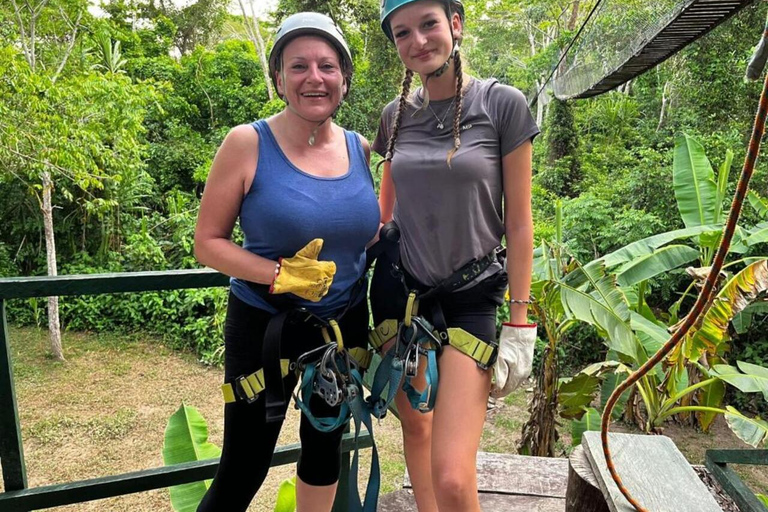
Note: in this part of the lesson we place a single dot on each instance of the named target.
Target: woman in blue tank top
(302, 191)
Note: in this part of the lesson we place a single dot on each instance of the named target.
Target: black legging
(249, 440)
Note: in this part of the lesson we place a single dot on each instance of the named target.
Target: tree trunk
(255, 34)
(664, 105)
(539, 433)
(583, 493)
(50, 251)
(574, 15)
(540, 105)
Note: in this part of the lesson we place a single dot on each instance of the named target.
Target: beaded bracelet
(518, 301)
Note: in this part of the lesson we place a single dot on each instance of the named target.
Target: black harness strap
(275, 394)
(273, 381)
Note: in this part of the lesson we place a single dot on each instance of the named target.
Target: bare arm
(387, 193)
(367, 150)
(518, 223)
(230, 178)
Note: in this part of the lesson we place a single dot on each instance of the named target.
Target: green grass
(59, 428)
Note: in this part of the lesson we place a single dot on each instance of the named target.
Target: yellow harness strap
(382, 333)
(362, 356)
(469, 345)
(252, 384)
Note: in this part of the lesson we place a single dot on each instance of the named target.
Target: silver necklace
(440, 124)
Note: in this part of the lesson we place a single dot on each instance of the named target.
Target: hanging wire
(562, 57)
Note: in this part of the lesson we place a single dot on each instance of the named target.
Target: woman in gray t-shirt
(456, 179)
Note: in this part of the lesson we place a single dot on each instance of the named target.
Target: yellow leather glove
(303, 275)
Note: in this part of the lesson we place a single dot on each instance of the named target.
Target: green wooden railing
(717, 462)
(18, 496)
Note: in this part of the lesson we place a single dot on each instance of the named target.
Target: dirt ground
(104, 411)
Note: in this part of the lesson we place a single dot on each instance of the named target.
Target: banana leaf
(734, 297)
(286, 496)
(743, 320)
(711, 396)
(186, 440)
(660, 261)
(605, 308)
(577, 393)
(694, 184)
(589, 421)
(751, 378)
(760, 204)
(646, 246)
(753, 431)
(722, 184)
(758, 234)
(610, 383)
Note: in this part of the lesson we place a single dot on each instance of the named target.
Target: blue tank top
(286, 208)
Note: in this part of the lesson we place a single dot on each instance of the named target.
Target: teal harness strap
(362, 415)
(322, 424)
(351, 405)
(388, 374)
(424, 401)
(420, 338)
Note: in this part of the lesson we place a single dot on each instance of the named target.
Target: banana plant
(669, 391)
(539, 433)
(186, 440)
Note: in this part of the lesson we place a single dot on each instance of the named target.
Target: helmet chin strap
(436, 73)
(311, 140)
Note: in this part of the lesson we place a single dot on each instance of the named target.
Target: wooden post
(583, 493)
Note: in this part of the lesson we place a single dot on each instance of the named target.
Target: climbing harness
(707, 289)
(331, 371)
(417, 338)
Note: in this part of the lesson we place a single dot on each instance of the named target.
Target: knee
(452, 485)
(417, 427)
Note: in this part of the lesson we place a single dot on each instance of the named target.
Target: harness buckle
(326, 382)
(412, 362)
(240, 385)
(491, 360)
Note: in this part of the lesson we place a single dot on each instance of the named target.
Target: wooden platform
(506, 483)
(513, 483)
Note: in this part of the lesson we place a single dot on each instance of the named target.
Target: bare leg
(457, 425)
(314, 498)
(417, 444)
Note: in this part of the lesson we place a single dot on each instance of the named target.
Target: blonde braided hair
(457, 111)
(401, 106)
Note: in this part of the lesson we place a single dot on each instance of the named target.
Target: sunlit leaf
(753, 431)
(589, 421)
(186, 440)
(694, 183)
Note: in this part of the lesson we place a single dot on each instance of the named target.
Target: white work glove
(515, 359)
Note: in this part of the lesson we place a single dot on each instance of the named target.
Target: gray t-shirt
(449, 216)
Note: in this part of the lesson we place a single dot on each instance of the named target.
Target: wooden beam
(90, 284)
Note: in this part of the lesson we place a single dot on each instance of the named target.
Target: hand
(515, 358)
(303, 275)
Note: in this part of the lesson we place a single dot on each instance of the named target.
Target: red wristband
(278, 266)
